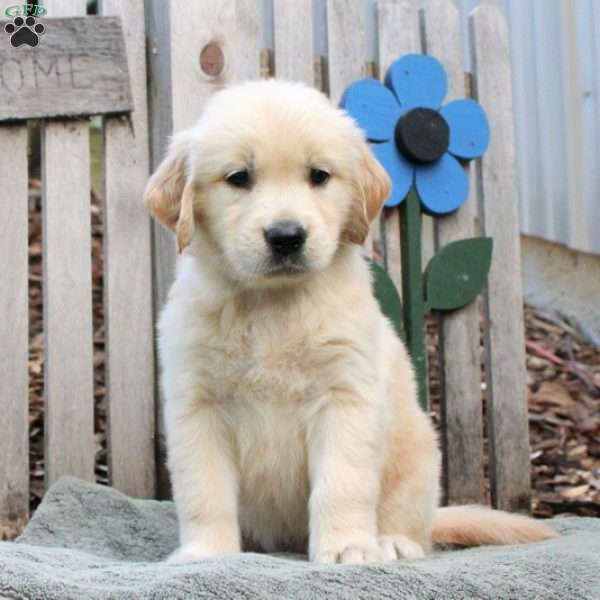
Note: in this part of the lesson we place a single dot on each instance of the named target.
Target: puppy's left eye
(318, 176)
(239, 179)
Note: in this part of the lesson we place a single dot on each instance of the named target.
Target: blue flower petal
(442, 186)
(469, 128)
(374, 108)
(398, 168)
(417, 80)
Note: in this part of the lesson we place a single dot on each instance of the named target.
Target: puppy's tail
(481, 526)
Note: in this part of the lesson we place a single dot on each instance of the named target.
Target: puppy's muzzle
(285, 239)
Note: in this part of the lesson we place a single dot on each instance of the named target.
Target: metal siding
(549, 207)
(589, 53)
(525, 101)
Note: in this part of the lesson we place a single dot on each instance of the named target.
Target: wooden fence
(169, 89)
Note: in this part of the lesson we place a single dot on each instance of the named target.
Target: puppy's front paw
(347, 550)
(398, 546)
(196, 551)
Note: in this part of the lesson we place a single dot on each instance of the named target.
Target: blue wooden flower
(415, 138)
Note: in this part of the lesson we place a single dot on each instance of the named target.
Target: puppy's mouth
(285, 266)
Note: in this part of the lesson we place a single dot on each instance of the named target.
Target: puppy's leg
(344, 465)
(409, 492)
(205, 483)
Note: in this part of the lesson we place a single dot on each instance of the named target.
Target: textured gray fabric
(88, 541)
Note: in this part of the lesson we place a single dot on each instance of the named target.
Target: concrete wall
(557, 278)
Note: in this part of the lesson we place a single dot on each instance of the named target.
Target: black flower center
(422, 135)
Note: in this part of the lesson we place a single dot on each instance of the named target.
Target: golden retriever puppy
(291, 413)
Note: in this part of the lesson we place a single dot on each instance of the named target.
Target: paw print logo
(24, 31)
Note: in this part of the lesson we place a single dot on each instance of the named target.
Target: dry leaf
(573, 492)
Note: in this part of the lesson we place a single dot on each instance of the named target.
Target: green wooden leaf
(457, 273)
(387, 295)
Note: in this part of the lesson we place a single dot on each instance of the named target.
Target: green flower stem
(412, 289)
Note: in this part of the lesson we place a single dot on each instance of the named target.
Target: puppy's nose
(285, 238)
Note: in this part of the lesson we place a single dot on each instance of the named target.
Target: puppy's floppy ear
(169, 196)
(374, 188)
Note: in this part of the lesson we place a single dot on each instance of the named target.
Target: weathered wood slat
(346, 39)
(14, 398)
(398, 27)
(68, 374)
(233, 26)
(293, 40)
(128, 277)
(78, 68)
(462, 427)
(505, 344)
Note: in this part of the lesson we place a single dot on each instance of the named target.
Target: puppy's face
(273, 178)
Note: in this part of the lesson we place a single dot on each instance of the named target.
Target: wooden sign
(77, 67)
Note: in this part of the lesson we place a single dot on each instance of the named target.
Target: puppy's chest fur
(260, 355)
(265, 373)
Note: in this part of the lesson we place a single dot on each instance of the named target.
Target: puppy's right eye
(239, 179)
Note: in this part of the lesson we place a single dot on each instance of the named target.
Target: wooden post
(398, 28)
(14, 397)
(461, 406)
(293, 37)
(128, 277)
(346, 37)
(69, 372)
(505, 344)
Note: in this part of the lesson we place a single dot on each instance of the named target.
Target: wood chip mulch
(563, 378)
(564, 416)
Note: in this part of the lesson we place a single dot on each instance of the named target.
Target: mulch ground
(563, 378)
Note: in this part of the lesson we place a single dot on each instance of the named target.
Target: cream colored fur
(291, 413)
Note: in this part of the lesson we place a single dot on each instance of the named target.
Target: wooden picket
(392, 18)
(505, 342)
(69, 372)
(14, 397)
(129, 354)
(293, 40)
(180, 80)
(462, 427)
(346, 39)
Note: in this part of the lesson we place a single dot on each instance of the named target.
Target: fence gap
(160, 127)
(36, 324)
(98, 314)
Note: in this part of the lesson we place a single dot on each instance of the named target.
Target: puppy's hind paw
(397, 547)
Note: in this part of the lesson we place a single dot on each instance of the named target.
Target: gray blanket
(88, 541)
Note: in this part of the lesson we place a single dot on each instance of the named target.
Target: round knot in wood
(212, 59)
